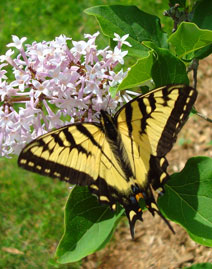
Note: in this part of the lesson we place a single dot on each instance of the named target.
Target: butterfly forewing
(153, 120)
(71, 153)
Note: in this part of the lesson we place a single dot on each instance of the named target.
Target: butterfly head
(106, 120)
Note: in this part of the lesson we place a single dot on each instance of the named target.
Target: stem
(195, 69)
(18, 99)
(203, 116)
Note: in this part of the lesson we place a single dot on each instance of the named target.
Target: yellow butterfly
(121, 158)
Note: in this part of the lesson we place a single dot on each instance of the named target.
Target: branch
(203, 116)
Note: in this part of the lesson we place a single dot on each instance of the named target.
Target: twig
(203, 116)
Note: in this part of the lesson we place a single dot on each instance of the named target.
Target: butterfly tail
(166, 221)
(133, 213)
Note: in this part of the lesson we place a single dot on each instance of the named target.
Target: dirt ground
(155, 246)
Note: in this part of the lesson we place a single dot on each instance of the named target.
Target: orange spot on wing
(139, 196)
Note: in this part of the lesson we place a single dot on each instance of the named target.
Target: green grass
(31, 206)
(44, 19)
(31, 216)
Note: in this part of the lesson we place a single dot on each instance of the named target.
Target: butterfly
(123, 157)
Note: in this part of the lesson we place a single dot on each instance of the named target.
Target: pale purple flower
(53, 81)
(91, 86)
(3, 72)
(117, 55)
(17, 43)
(94, 36)
(95, 72)
(7, 57)
(21, 80)
(79, 47)
(121, 40)
(41, 88)
(117, 77)
(61, 41)
(7, 90)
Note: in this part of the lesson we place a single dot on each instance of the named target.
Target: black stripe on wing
(69, 137)
(158, 175)
(147, 103)
(143, 109)
(180, 112)
(53, 169)
(42, 154)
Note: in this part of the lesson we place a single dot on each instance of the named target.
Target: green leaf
(88, 226)
(202, 53)
(189, 38)
(202, 16)
(53, 263)
(130, 20)
(139, 72)
(204, 265)
(193, 111)
(167, 69)
(113, 91)
(188, 199)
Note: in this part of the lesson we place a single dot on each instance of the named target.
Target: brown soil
(155, 246)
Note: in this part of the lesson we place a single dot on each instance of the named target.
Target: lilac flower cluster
(55, 85)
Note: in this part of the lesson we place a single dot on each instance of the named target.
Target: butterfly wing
(71, 153)
(78, 154)
(111, 185)
(152, 122)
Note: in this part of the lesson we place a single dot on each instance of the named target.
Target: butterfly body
(113, 137)
(121, 158)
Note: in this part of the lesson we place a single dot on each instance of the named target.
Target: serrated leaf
(188, 199)
(139, 72)
(189, 38)
(167, 69)
(130, 20)
(88, 226)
